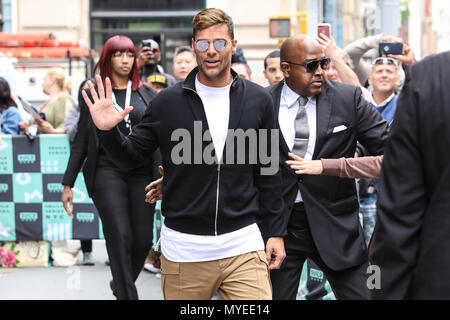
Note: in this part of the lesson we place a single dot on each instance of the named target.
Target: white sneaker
(151, 268)
(88, 259)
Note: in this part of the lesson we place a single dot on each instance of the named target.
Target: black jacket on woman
(85, 148)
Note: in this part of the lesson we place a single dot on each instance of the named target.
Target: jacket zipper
(218, 180)
(217, 198)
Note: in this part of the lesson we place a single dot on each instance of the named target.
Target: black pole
(69, 56)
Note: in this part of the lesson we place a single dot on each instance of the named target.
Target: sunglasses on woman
(312, 66)
(203, 45)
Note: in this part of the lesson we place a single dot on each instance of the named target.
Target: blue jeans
(368, 210)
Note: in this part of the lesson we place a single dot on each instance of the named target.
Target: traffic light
(280, 27)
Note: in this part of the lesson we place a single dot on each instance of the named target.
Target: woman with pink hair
(118, 193)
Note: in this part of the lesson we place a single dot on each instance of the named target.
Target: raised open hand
(103, 112)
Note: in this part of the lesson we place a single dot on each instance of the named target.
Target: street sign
(280, 27)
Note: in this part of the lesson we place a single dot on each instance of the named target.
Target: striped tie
(301, 129)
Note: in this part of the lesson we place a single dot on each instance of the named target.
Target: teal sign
(30, 192)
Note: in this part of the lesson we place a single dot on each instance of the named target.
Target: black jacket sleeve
(79, 147)
(267, 177)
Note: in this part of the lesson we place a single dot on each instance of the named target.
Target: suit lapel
(275, 91)
(323, 107)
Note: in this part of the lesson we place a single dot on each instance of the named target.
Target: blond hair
(210, 17)
(62, 80)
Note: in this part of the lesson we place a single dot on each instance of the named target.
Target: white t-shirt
(182, 247)
(216, 103)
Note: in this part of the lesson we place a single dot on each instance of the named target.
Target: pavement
(77, 282)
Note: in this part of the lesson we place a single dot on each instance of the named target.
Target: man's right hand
(154, 189)
(67, 196)
(103, 112)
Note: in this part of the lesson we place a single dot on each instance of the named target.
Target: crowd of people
(228, 228)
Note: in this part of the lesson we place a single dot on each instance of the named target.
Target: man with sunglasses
(321, 119)
(210, 241)
(148, 62)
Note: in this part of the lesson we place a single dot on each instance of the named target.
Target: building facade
(425, 24)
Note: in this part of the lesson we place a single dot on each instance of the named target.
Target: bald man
(321, 119)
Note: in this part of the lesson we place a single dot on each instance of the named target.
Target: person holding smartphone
(57, 85)
(148, 62)
(357, 49)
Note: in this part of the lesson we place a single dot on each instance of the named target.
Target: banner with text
(30, 192)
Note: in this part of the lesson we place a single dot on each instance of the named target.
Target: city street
(71, 283)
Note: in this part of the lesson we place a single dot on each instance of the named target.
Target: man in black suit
(411, 240)
(321, 119)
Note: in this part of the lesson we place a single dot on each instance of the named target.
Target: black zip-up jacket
(202, 198)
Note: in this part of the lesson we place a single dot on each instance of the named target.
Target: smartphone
(386, 48)
(324, 28)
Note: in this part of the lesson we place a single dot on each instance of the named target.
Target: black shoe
(112, 285)
(107, 263)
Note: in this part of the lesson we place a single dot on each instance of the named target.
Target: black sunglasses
(314, 64)
(203, 45)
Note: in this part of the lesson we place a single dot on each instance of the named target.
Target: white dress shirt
(286, 117)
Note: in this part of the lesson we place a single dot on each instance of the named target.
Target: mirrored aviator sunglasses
(203, 45)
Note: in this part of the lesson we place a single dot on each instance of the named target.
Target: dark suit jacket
(412, 239)
(85, 147)
(331, 203)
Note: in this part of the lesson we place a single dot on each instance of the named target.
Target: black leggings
(86, 246)
(127, 225)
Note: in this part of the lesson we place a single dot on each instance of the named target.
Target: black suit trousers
(348, 284)
(127, 225)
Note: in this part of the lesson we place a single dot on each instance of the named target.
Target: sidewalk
(72, 283)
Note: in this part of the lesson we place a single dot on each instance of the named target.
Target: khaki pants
(243, 277)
